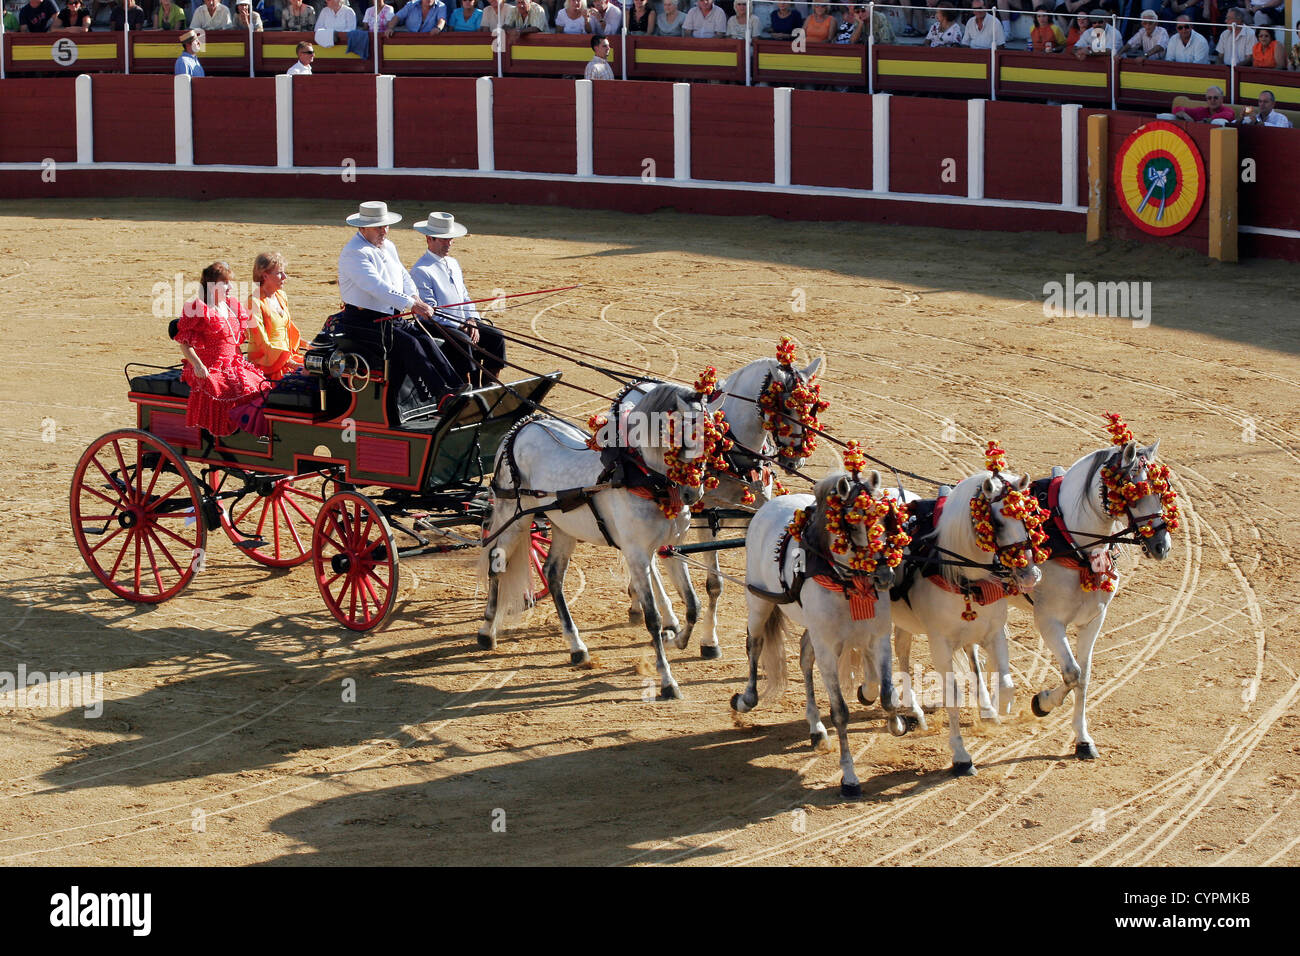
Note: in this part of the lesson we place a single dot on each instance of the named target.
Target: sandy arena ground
(225, 739)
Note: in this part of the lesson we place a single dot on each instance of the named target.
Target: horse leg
(557, 564)
(942, 652)
(709, 648)
(760, 614)
(850, 788)
(987, 710)
(1084, 748)
(1053, 632)
(881, 666)
(680, 575)
(903, 645)
(650, 591)
(1005, 689)
(634, 612)
(507, 569)
(807, 658)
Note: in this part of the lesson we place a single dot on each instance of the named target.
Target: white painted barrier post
(183, 119)
(681, 131)
(880, 142)
(384, 119)
(584, 104)
(486, 152)
(782, 98)
(1070, 154)
(975, 149)
(85, 120)
(284, 121)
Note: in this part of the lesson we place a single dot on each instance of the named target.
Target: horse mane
(814, 534)
(663, 398)
(956, 531)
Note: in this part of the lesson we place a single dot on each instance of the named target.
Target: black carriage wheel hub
(128, 519)
(340, 563)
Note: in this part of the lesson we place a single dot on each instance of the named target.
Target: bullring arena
(225, 704)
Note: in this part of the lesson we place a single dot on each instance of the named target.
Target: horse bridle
(1130, 534)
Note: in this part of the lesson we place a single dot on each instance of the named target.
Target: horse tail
(504, 558)
(769, 649)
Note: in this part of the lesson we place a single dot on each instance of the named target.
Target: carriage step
(251, 544)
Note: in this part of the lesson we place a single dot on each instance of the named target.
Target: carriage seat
(161, 383)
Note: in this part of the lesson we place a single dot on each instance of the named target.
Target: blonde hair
(266, 262)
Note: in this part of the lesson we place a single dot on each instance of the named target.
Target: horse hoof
(578, 658)
(635, 614)
(487, 642)
(736, 700)
(914, 723)
(898, 725)
(1085, 751)
(851, 791)
(963, 769)
(671, 692)
(863, 699)
(1036, 707)
(819, 741)
(710, 652)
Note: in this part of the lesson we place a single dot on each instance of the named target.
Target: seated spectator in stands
(1214, 110)
(37, 16)
(74, 18)
(1101, 39)
(419, 16)
(820, 26)
(274, 343)
(641, 18)
(1150, 41)
(1173, 9)
(670, 22)
(1236, 42)
(305, 53)
(123, 12)
(9, 20)
(212, 16)
(299, 16)
(493, 13)
(386, 17)
(573, 18)
(1076, 8)
(266, 9)
(1266, 115)
(1268, 13)
(526, 16)
(169, 16)
(243, 13)
(334, 22)
(785, 21)
(1267, 53)
(1081, 25)
(1293, 58)
(599, 68)
(187, 64)
(982, 31)
(741, 22)
(705, 21)
(882, 31)
(1187, 46)
(1046, 36)
(606, 18)
(466, 18)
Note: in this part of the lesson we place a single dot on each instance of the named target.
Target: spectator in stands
(820, 26)
(334, 22)
(493, 15)
(606, 18)
(1268, 13)
(1187, 46)
(1150, 41)
(306, 53)
(1236, 42)
(212, 16)
(37, 16)
(785, 21)
(1293, 58)
(425, 16)
(386, 18)
(670, 22)
(169, 16)
(127, 9)
(1173, 9)
(187, 64)
(1267, 53)
(244, 13)
(9, 20)
(705, 21)
(882, 31)
(72, 18)
(299, 16)
(274, 343)
(527, 17)
(466, 18)
(982, 31)
(266, 9)
(1214, 110)
(1081, 25)
(1100, 39)
(599, 68)
(573, 18)
(1267, 115)
(641, 18)
(740, 23)
(1046, 37)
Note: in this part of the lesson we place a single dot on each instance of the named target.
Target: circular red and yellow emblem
(1160, 178)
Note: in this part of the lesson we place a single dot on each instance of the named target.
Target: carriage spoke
(153, 564)
(292, 530)
(235, 520)
(158, 470)
(116, 503)
(296, 507)
(126, 546)
(157, 501)
(166, 551)
(116, 531)
(172, 534)
(126, 482)
(138, 535)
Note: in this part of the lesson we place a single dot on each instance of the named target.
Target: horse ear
(989, 488)
(842, 487)
(1149, 453)
(1021, 483)
(683, 406)
(1130, 454)
(811, 370)
(716, 404)
(873, 483)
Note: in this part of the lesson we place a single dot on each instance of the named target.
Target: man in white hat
(474, 347)
(374, 286)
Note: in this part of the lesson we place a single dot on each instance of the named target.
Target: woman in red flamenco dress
(209, 334)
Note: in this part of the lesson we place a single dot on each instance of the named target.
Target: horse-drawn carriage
(144, 499)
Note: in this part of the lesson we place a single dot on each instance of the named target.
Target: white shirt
(613, 20)
(598, 69)
(1109, 39)
(219, 19)
(299, 69)
(373, 277)
(1158, 37)
(983, 38)
(438, 280)
(704, 27)
(1274, 118)
(329, 23)
(1195, 50)
(1245, 45)
(566, 24)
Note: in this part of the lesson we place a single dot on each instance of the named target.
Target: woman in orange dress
(209, 333)
(274, 343)
(820, 25)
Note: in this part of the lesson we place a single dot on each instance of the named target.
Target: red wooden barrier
(917, 69)
(435, 122)
(38, 120)
(1270, 198)
(334, 121)
(551, 54)
(457, 53)
(924, 135)
(1153, 86)
(1022, 152)
(731, 134)
(1195, 236)
(275, 52)
(830, 140)
(676, 58)
(224, 52)
(535, 123)
(1251, 82)
(234, 120)
(62, 54)
(832, 64)
(1034, 75)
(134, 119)
(632, 122)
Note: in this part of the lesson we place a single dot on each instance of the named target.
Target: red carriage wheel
(280, 514)
(540, 547)
(137, 516)
(355, 561)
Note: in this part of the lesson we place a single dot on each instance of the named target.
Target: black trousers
(412, 355)
(482, 362)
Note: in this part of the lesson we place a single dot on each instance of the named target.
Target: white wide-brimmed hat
(441, 225)
(370, 214)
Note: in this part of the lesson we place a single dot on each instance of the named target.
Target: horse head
(859, 525)
(1006, 519)
(1136, 487)
(789, 401)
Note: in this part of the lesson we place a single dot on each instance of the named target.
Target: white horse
(811, 584)
(949, 575)
(545, 465)
(759, 435)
